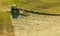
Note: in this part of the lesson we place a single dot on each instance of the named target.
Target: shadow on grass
(39, 13)
(16, 15)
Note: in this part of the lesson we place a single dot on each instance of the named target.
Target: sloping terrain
(6, 28)
(49, 6)
(33, 24)
(36, 25)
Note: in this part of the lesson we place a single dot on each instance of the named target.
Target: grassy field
(49, 6)
(6, 27)
(38, 21)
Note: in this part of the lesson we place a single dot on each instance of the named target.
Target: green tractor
(14, 11)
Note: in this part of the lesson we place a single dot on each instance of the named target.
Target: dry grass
(33, 25)
(37, 25)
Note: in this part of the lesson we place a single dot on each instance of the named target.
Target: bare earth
(36, 25)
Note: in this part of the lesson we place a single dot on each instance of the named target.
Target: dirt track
(37, 25)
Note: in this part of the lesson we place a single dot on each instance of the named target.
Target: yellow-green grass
(5, 24)
(49, 6)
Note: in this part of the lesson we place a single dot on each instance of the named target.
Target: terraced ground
(33, 24)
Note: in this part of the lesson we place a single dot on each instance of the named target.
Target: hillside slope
(49, 6)
(34, 24)
(6, 28)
